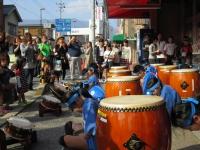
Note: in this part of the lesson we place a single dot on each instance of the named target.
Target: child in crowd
(22, 85)
(186, 52)
(169, 50)
(7, 93)
(108, 56)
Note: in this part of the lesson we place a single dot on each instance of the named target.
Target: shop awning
(131, 8)
(117, 12)
(119, 38)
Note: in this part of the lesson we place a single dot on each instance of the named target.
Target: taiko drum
(117, 73)
(119, 68)
(157, 65)
(127, 122)
(164, 73)
(167, 67)
(124, 85)
(186, 82)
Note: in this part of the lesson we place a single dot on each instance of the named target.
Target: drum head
(168, 67)
(60, 86)
(131, 102)
(51, 99)
(119, 71)
(164, 70)
(123, 78)
(118, 67)
(184, 70)
(20, 122)
(157, 64)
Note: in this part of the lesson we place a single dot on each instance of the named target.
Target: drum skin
(167, 67)
(114, 128)
(118, 68)
(117, 73)
(157, 65)
(120, 87)
(186, 82)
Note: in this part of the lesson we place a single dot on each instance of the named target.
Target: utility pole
(61, 7)
(1, 16)
(41, 23)
(93, 29)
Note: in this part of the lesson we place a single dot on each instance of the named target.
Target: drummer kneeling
(153, 86)
(187, 114)
(87, 140)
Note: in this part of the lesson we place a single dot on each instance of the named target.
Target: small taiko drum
(133, 122)
(186, 82)
(164, 73)
(119, 68)
(157, 65)
(49, 104)
(116, 73)
(123, 85)
(18, 128)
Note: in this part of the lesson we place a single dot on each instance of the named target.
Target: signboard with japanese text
(63, 25)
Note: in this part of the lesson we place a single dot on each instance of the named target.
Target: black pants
(169, 60)
(29, 76)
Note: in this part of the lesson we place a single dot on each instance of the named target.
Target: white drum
(20, 122)
(51, 99)
(18, 128)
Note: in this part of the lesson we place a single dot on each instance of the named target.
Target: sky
(30, 9)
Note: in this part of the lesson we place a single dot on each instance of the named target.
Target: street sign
(63, 25)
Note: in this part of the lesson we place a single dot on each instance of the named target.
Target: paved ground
(49, 128)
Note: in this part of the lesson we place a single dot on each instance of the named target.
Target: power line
(24, 8)
(61, 7)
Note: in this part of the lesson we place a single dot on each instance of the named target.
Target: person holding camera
(74, 51)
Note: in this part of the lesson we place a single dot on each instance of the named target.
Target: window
(12, 29)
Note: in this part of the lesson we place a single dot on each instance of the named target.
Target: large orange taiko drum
(164, 73)
(116, 73)
(157, 65)
(123, 85)
(186, 82)
(127, 122)
(167, 67)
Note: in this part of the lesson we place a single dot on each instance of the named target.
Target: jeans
(75, 61)
(29, 76)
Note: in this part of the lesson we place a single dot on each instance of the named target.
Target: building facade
(11, 20)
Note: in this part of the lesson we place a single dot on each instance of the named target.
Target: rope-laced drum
(18, 128)
(186, 82)
(49, 104)
(133, 122)
(123, 85)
